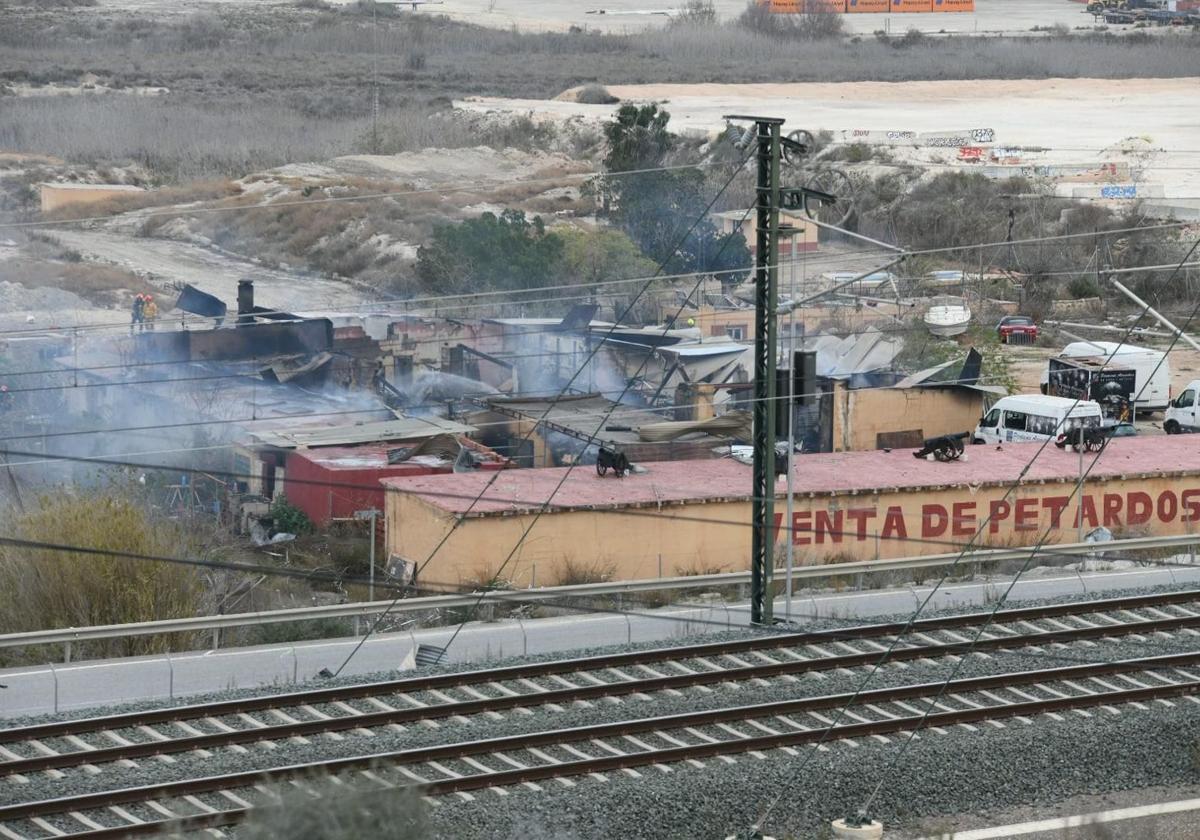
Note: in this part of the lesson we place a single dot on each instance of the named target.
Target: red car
(1017, 329)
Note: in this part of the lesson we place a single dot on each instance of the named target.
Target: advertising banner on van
(1112, 387)
(798, 7)
(867, 6)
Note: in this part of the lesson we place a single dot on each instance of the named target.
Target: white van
(1153, 387)
(1181, 415)
(1034, 417)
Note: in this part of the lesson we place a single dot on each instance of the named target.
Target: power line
(1004, 596)
(885, 655)
(567, 601)
(530, 505)
(468, 186)
(543, 330)
(565, 388)
(924, 252)
(185, 319)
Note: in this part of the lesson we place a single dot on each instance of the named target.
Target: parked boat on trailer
(948, 316)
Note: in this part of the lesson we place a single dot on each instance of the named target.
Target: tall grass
(178, 141)
(181, 140)
(48, 588)
(252, 89)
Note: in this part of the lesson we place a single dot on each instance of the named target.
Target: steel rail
(356, 691)
(367, 720)
(189, 787)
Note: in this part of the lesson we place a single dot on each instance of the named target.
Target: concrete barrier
(1127, 192)
(943, 139)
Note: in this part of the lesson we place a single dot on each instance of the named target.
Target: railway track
(633, 747)
(90, 743)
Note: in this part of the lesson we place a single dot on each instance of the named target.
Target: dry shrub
(812, 26)
(104, 285)
(596, 95)
(573, 572)
(696, 568)
(50, 588)
(696, 13)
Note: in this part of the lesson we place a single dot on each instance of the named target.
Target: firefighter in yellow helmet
(149, 312)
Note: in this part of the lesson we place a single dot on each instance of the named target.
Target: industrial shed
(333, 482)
(690, 516)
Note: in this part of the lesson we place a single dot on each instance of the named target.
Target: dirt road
(170, 264)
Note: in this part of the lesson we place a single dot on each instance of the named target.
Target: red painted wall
(325, 494)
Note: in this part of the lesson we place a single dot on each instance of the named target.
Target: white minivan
(1035, 417)
(1153, 386)
(1181, 415)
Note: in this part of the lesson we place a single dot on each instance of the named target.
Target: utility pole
(766, 294)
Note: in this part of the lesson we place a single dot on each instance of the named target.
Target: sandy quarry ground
(1078, 120)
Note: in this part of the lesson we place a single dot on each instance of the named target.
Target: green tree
(598, 256)
(492, 252)
(657, 208)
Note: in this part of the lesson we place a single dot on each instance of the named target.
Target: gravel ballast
(963, 770)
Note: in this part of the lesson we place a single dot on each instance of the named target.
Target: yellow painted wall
(638, 543)
(715, 322)
(860, 415)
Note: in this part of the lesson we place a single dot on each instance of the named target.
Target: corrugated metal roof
(680, 482)
(403, 428)
(588, 415)
(370, 456)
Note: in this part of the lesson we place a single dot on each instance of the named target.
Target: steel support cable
(199, 320)
(479, 397)
(947, 249)
(532, 504)
(435, 340)
(568, 601)
(71, 370)
(886, 654)
(1077, 491)
(190, 319)
(461, 518)
(463, 186)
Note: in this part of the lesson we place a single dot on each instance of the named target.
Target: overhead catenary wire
(481, 398)
(547, 329)
(662, 265)
(468, 186)
(571, 602)
(520, 505)
(185, 319)
(885, 655)
(905, 744)
(403, 301)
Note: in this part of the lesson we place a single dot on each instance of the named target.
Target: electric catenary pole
(770, 198)
(766, 291)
